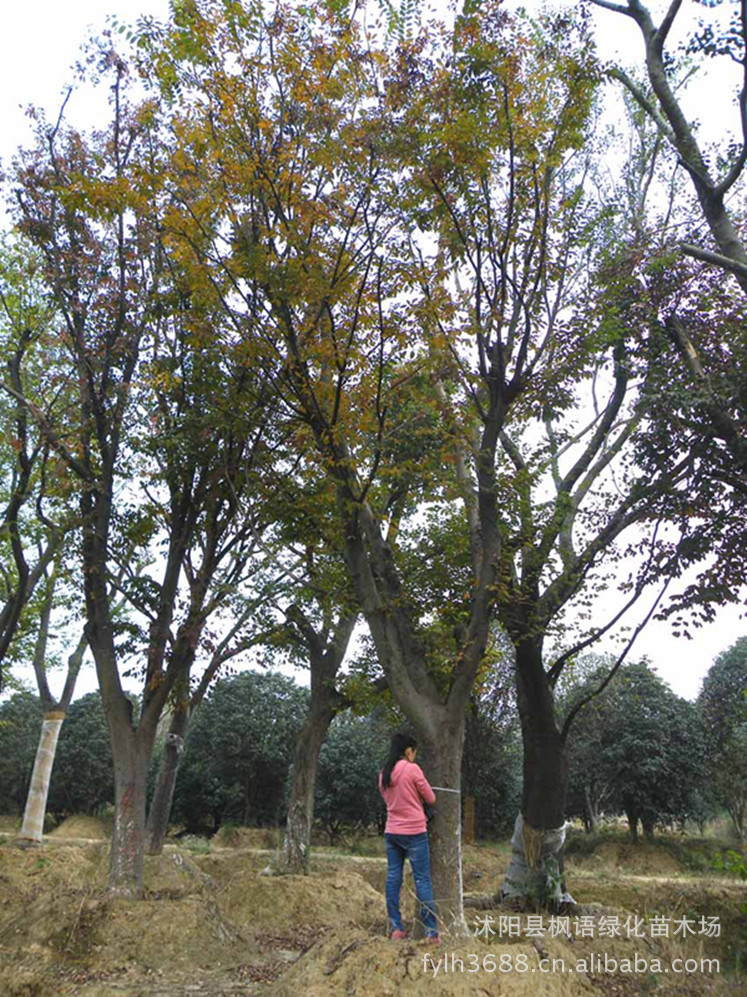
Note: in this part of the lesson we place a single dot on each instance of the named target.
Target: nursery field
(211, 924)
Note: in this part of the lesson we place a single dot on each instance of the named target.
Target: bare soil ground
(211, 925)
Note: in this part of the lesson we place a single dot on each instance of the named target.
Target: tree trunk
(247, 800)
(293, 857)
(32, 830)
(131, 759)
(160, 806)
(326, 652)
(441, 761)
(534, 874)
(632, 825)
(739, 827)
(592, 814)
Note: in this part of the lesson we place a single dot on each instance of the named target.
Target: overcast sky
(38, 45)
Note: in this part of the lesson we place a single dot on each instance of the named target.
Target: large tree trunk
(534, 875)
(131, 757)
(293, 856)
(32, 830)
(441, 760)
(160, 806)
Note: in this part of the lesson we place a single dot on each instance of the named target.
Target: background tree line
(645, 754)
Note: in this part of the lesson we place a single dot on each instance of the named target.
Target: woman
(405, 789)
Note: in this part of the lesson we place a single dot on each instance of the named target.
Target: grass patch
(196, 845)
(366, 845)
(583, 844)
(697, 854)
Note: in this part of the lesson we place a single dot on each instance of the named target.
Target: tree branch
(717, 259)
(666, 25)
(54, 441)
(616, 7)
(640, 98)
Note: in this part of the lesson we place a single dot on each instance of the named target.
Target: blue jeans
(415, 848)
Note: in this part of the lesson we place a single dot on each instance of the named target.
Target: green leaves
(239, 750)
(638, 747)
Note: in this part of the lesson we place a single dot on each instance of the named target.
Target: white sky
(40, 42)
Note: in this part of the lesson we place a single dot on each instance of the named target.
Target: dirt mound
(641, 859)
(251, 900)
(108, 937)
(247, 837)
(287, 902)
(31, 872)
(212, 925)
(90, 828)
(356, 963)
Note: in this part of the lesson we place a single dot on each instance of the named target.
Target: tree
(20, 717)
(319, 619)
(555, 372)
(347, 789)
(147, 361)
(590, 791)
(239, 750)
(326, 647)
(722, 703)
(723, 697)
(97, 238)
(648, 747)
(248, 629)
(730, 778)
(310, 260)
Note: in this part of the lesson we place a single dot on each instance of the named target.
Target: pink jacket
(408, 789)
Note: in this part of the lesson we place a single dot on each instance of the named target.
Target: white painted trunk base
(535, 877)
(36, 801)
